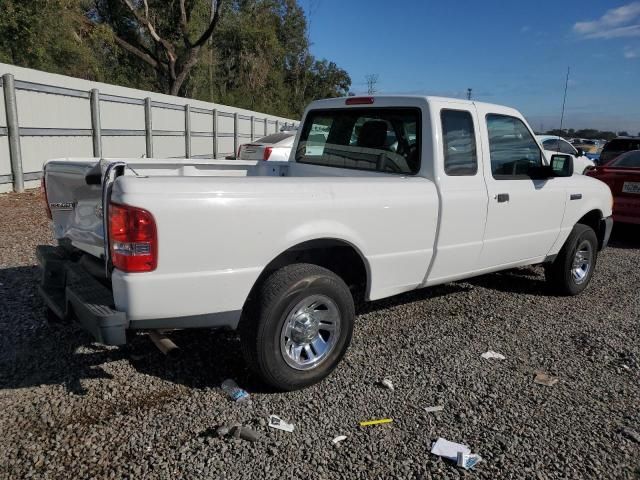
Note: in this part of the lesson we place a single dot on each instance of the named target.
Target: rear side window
(459, 142)
(622, 145)
(512, 148)
(627, 160)
(378, 139)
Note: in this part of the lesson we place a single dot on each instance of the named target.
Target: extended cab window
(459, 142)
(379, 139)
(512, 148)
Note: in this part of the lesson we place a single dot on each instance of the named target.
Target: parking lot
(73, 409)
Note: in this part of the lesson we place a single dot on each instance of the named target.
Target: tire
(290, 309)
(567, 278)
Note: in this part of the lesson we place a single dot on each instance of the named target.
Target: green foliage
(257, 58)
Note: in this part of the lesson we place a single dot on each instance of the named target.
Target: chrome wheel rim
(581, 264)
(310, 332)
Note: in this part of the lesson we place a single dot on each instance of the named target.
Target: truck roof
(387, 100)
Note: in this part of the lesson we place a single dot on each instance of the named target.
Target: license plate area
(631, 187)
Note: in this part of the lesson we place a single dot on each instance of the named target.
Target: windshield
(627, 160)
(379, 139)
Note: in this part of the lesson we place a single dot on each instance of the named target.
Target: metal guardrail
(13, 130)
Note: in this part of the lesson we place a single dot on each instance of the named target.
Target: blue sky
(514, 53)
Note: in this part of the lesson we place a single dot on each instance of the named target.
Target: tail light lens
(133, 239)
(43, 193)
(267, 153)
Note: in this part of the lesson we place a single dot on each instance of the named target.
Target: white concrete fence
(43, 116)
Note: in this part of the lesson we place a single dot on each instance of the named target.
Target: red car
(622, 174)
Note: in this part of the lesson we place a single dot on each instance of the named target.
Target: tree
(49, 35)
(623, 133)
(256, 55)
(159, 34)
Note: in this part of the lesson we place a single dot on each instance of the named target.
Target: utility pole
(372, 80)
(213, 9)
(469, 93)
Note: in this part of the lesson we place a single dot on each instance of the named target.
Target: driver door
(523, 215)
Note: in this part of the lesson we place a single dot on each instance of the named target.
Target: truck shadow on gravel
(35, 351)
(525, 280)
(625, 236)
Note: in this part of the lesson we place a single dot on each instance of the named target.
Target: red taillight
(43, 192)
(133, 239)
(267, 153)
(359, 101)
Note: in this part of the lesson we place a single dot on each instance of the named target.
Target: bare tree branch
(214, 22)
(146, 22)
(140, 54)
(183, 24)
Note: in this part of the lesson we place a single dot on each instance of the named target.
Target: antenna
(469, 90)
(564, 100)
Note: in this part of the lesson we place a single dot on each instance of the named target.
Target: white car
(274, 147)
(382, 195)
(553, 144)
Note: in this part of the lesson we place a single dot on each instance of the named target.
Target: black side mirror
(562, 165)
(580, 152)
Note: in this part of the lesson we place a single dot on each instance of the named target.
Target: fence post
(13, 127)
(187, 131)
(215, 133)
(96, 130)
(265, 126)
(235, 134)
(253, 127)
(148, 127)
(277, 126)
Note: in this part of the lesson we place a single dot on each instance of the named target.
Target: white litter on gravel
(491, 354)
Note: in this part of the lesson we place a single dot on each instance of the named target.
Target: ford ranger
(382, 195)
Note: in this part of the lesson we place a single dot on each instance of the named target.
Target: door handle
(502, 197)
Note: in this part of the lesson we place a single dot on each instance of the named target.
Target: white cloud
(525, 29)
(618, 22)
(630, 52)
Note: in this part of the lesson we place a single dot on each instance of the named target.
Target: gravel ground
(73, 409)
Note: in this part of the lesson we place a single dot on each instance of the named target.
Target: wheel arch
(335, 254)
(593, 219)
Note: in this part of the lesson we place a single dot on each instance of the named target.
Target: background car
(622, 174)
(276, 146)
(618, 145)
(553, 144)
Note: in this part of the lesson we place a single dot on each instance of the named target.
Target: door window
(459, 143)
(512, 148)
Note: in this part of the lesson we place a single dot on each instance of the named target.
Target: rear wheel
(571, 271)
(298, 326)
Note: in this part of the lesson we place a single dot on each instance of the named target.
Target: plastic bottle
(234, 392)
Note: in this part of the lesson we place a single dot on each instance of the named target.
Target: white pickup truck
(381, 195)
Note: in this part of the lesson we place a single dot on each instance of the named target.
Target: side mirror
(580, 152)
(562, 165)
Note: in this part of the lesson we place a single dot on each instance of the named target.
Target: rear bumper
(68, 288)
(606, 225)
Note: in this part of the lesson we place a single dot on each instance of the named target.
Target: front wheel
(297, 326)
(571, 271)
